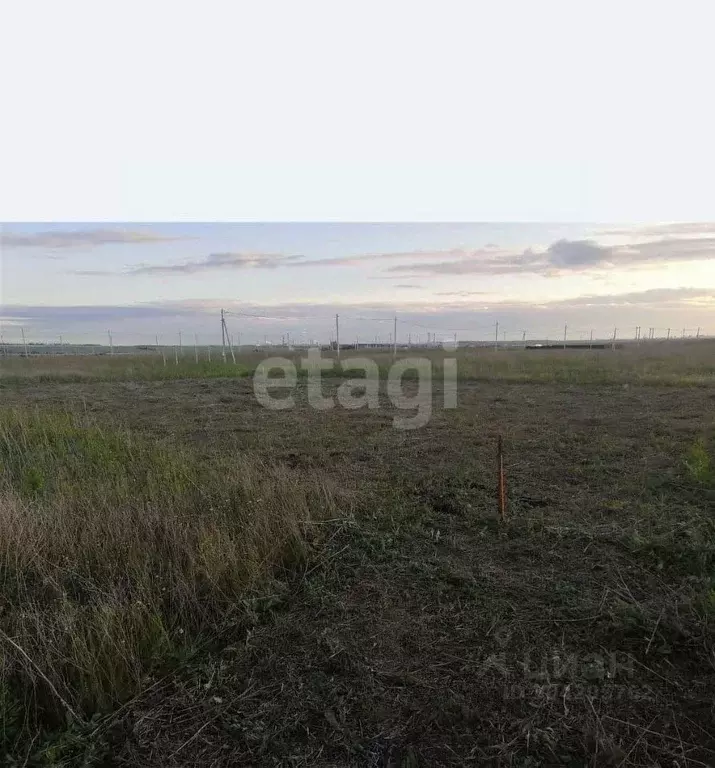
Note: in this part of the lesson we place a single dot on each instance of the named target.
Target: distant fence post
(158, 349)
(337, 335)
(223, 336)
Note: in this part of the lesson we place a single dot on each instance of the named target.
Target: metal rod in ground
(501, 486)
(394, 340)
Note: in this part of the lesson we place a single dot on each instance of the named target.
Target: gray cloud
(248, 260)
(561, 257)
(80, 238)
(673, 229)
(569, 256)
(654, 297)
(216, 261)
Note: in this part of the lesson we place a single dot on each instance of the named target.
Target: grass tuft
(119, 554)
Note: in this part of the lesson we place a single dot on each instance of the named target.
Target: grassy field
(192, 579)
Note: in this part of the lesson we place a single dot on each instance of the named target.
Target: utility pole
(4, 348)
(196, 348)
(394, 340)
(697, 334)
(523, 339)
(230, 343)
(181, 347)
(337, 336)
(565, 330)
(668, 336)
(111, 343)
(496, 337)
(176, 355)
(613, 343)
(590, 340)
(683, 333)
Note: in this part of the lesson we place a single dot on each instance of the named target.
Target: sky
(407, 110)
(127, 121)
(143, 280)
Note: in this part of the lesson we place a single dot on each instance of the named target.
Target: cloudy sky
(140, 280)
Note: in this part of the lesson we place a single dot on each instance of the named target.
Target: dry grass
(118, 556)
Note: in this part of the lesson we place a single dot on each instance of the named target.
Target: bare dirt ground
(424, 631)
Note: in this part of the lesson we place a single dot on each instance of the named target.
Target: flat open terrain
(417, 628)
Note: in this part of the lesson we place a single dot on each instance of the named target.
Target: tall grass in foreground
(116, 554)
